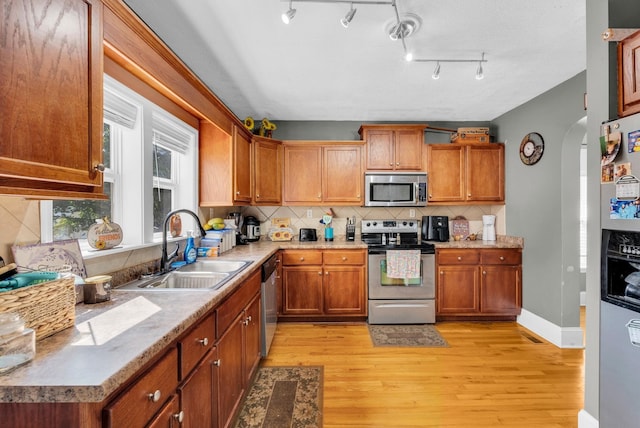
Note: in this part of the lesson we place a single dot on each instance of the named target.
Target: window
(150, 159)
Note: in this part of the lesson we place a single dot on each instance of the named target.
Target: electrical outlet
(412, 213)
(309, 213)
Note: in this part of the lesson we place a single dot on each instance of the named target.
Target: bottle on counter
(190, 252)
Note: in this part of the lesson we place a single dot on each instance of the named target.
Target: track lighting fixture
(479, 71)
(348, 17)
(289, 14)
(436, 71)
(403, 27)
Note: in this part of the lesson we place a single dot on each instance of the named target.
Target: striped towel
(403, 263)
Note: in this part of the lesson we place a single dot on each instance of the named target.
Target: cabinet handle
(459, 258)
(155, 397)
(204, 342)
(301, 259)
(397, 163)
(99, 167)
(430, 196)
(216, 363)
(344, 259)
(257, 196)
(320, 273)
(484, 272)
(179, 416)
(237, 192)
(319, 196)
(468, 195)
(326, 272)
(249, 318)
(441, 272)
(246, 321)
(390, 163)
(501, 258)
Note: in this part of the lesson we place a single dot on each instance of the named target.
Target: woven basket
(48, 307)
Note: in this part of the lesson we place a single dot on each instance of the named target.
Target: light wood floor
(495, 374)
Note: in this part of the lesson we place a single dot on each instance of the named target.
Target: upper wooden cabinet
(393, 147)
(225, 166)
(51, 98)
(461, 173)
(322, 173)
(629, 75)
(267, 171)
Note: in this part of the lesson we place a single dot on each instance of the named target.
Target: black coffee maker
(435, 228)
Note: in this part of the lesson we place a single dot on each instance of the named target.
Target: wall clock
(531, 148)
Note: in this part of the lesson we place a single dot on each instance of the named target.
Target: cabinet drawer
(344, 257)
(229, 310)
(501, 257)
(302, 257)
(458, 257)
(147, 394)
(196, 344)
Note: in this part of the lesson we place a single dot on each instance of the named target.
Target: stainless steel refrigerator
(619, 305)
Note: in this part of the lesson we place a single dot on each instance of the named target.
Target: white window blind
(119, 110)
(170, 134)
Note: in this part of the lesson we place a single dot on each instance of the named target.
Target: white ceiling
(314, 69)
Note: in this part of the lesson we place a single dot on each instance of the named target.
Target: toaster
(307, 235)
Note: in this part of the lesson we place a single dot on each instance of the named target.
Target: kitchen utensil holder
(47, 308)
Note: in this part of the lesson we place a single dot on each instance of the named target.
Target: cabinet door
(242, 166)
(458, 290)
(500, 290)
(408, 149)
(380, 149)
(216, 166)
(170, 416)
(302, 290)
(303, 172)
(230, 378)
(267, 172)
(629, 75)
(51, 96)
(446, 173)
(252, 338)
(197, 395)
(485, 172)
(344, 290)
(342, 174)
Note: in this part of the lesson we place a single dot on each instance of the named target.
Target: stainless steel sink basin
(215, 266)
(204, 275)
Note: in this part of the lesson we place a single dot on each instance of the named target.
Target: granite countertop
(113, 340)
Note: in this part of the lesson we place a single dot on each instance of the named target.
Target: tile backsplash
(299, 218)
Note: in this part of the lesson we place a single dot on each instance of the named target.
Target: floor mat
(424, 335)
(284, 397)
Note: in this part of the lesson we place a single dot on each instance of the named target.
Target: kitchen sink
(204, 275)
(225, 266)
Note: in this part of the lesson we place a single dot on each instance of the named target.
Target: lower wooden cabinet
(478, 283)
(238, 344)
(327, 284)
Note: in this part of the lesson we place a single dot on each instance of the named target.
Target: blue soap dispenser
(190, 252)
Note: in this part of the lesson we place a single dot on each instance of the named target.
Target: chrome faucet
(165, 259)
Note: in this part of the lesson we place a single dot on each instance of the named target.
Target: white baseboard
(583, 298)
(585, 420)
(562, 337)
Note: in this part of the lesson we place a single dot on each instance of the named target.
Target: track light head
(436, 71)
(348, 17)
(479, 72)
(289, 14)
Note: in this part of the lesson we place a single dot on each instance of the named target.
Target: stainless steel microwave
(395, 189)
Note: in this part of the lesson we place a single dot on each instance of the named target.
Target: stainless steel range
(399, 300)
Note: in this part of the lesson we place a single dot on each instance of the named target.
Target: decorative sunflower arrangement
(266, 127)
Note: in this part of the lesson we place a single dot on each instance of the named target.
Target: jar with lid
(17, 342)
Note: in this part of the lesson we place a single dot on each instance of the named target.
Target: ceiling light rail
(438, 61)
(346, 20)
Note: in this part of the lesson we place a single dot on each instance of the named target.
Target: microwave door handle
(416, 193)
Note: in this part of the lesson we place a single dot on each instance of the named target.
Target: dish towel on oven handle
(403, 263)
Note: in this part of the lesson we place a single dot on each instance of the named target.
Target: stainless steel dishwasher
(269, 316)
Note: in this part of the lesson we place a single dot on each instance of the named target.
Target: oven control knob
(375, 223)
(404, 223)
